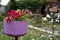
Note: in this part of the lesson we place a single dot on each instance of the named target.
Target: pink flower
(15, 14)
(11, 13)
(8, 19)
(18, 14)
(29, 12)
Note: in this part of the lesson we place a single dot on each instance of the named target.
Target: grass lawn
(31, 35)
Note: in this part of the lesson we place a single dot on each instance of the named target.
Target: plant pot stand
(16, 36)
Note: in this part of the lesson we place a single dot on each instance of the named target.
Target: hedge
(33, 5)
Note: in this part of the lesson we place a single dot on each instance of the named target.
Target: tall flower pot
(16, 28)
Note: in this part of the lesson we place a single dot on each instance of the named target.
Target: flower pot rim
(16, 20)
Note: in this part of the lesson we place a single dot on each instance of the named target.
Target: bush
(33, 5)
(1, 17)
(11, 5)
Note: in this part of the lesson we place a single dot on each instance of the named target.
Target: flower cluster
(18, 15)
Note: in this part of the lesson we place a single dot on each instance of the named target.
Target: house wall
(2, 9)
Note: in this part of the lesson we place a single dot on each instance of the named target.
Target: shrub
(33, 5)
(1, 16)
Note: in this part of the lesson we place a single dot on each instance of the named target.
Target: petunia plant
(18, 15)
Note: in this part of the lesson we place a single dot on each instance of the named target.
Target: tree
(11, 5)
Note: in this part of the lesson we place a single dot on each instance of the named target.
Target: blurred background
(45, 23)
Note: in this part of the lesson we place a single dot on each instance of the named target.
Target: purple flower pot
(16, 28)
